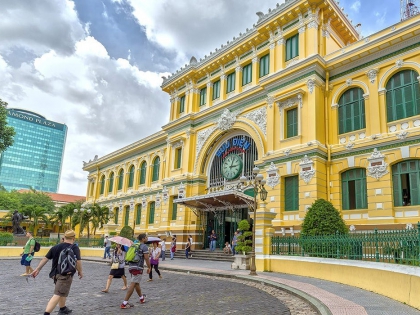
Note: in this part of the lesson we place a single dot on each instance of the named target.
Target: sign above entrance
(239, 144)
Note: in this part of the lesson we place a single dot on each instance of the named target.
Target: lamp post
(258, 185)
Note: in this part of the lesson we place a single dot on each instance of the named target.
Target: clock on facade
(232, 166)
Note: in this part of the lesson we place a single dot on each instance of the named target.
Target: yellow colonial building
(321, 111)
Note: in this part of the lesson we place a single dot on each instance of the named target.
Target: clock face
(232, 166)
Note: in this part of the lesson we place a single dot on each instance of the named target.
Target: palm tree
(100, 217)
(35, 214)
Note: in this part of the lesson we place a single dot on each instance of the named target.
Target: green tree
(100, 217)
(127, 232)
(244, 243)
(35, 214)
(7, 133)
(36, 198)
(9, 200)
(323, 219)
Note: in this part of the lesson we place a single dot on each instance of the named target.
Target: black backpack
(67, 261)
(37, 246)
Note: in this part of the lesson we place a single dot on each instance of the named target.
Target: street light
(258, 186)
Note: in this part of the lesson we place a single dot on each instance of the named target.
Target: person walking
(107, 245)
(28, 254)
(190, 238)
(62, 283)
(173, 248)
(119, 256)
(135, 278)
(163, 249)
(154, 260)
(187, 249)
(213, 239)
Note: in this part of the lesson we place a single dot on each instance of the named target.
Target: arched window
(143, 168)
(403, 95)
(353, 189)
(116, 216)
(102, 185)
(120, 179)
(138, 214)
(156, 166)
(111, 183)
(152, 212)
(131, 177)
(406, 183)
(127, 215)
(351, 111)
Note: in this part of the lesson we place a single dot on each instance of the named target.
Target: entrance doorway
(224, 223)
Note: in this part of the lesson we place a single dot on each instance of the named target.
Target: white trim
(404, 65)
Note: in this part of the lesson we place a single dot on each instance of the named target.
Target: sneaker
(23, 274)
(128, 305)
(65, 311)
(160, 277)
(148, 280)
(143, 300)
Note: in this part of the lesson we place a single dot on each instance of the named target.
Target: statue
(16, 219)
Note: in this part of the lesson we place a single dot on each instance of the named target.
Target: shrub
(323, 219)
(244, 243)
(5, 238)
(127, 232)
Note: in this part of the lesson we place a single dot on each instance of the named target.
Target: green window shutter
(178, 158)
(292, 123)
(182, 104)
(102, 185)
(396, 190)
(414, 188)
(156, 166)
(143, 169)
(127, 216)
(351, 111)
(402, 96)
(264, 65)
(174, 210)
(216, 90)
(116, 216)
(111, 183)
(292, 47)
(131, 177)
(354, 198)
(138, 214)
(203, 96)
(291, 192)
(120, 179)
(152, 212)
(247, 74)
(230, 80)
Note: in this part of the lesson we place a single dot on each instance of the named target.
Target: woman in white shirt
(119, 256)
(154, 260)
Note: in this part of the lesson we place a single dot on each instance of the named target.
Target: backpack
(134, 258)
(37, 246)
(67, 261)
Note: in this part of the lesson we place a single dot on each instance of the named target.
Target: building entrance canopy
(218, 201)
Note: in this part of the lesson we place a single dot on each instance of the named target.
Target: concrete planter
(241, 262)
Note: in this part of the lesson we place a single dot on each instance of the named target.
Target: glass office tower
(35, 159)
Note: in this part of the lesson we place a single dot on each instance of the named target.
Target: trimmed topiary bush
(127, 232)
(323, 219)
(244, 244)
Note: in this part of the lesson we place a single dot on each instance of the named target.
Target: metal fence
(399, 246)
(47, 242)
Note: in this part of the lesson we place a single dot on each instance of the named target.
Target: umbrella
(151, 239)
(121, 240)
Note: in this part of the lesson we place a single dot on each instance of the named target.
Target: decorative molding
(399, 63)
(259, 117)
(287, 152)
(349, 146)
(311, 85)
(307, 172)
(177, 144)
(144, 202)
(273, 177)
(226, 120)
(270, 101)
(402, 135)
(377, 166)
(181, 190)
(302, 29)
(158, 200)
(202, 137)
(371, 74)
(290, 102)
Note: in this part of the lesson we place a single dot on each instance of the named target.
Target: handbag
(115, 265)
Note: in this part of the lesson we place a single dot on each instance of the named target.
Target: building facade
(36, 157)
(321, 111)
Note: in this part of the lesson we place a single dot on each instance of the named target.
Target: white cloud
(356, 6)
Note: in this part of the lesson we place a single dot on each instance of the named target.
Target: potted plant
(243, 245)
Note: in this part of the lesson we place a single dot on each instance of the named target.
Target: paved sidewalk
(337, 298)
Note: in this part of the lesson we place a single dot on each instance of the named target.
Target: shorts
(24, 262)
(63, 284)
(136, 278)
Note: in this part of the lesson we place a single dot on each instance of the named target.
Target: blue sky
(96, 65)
